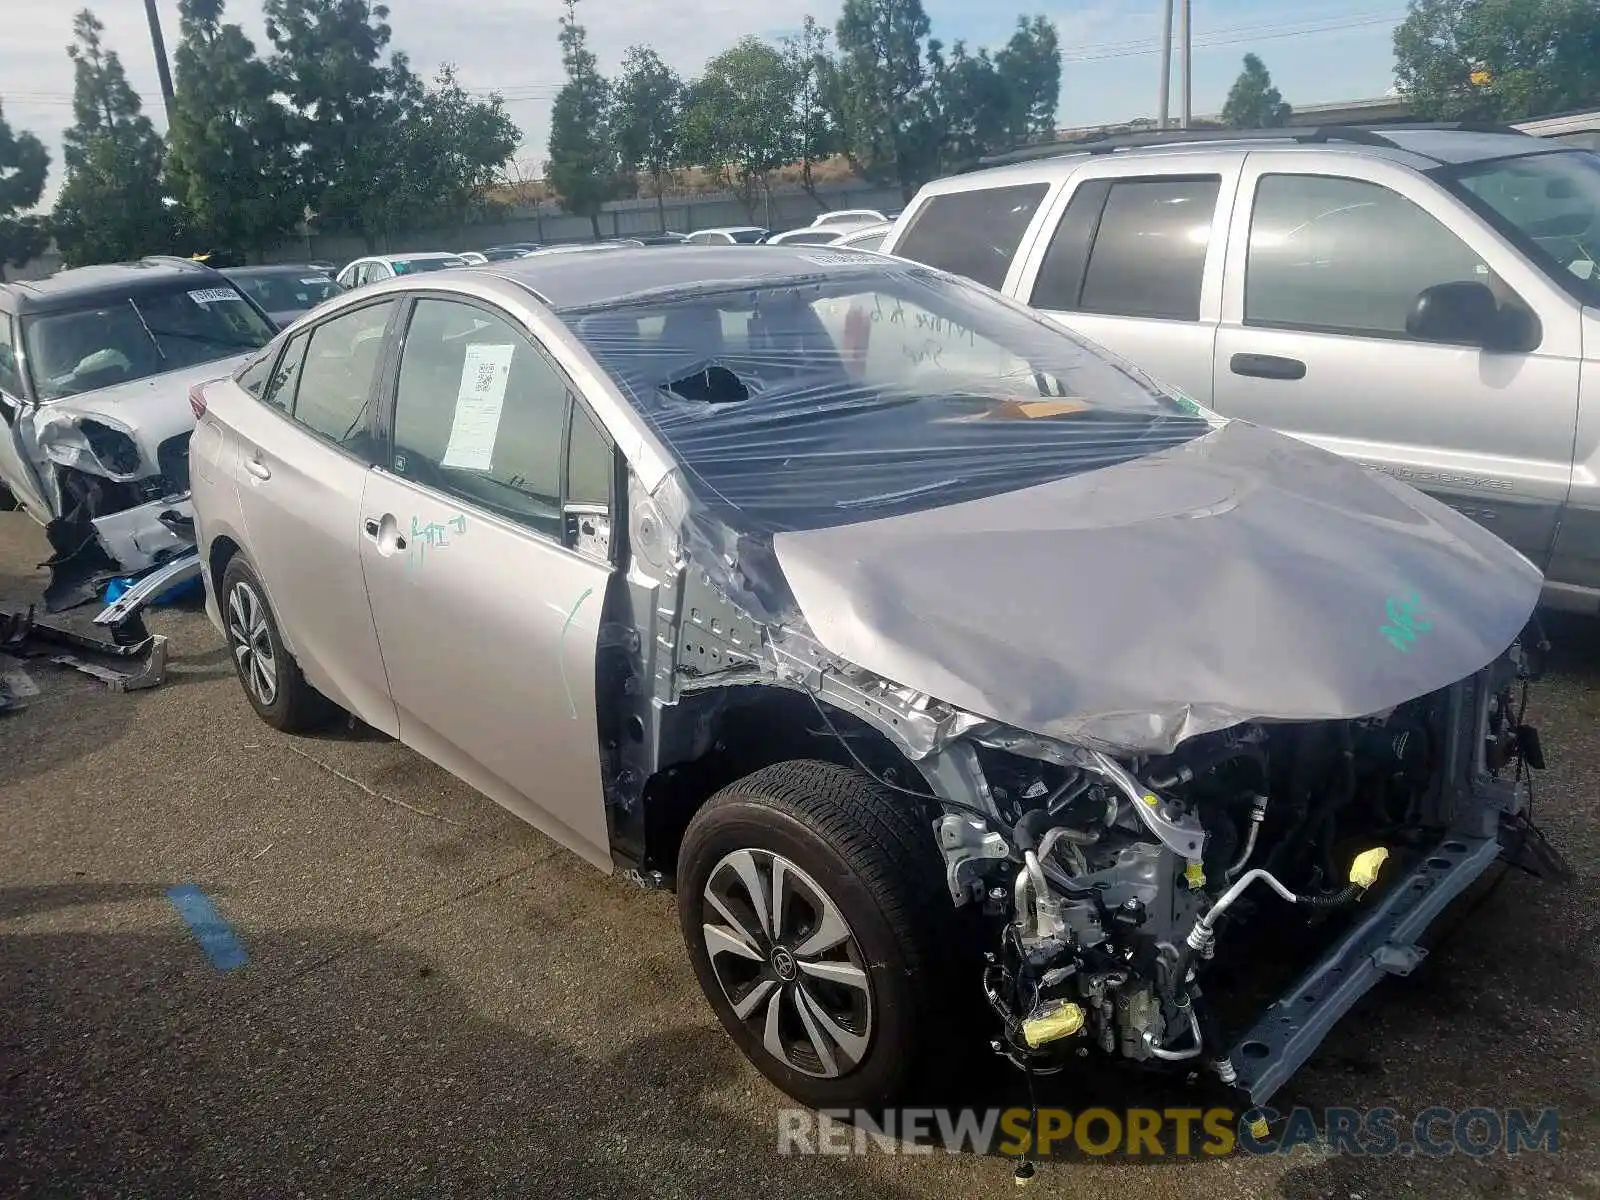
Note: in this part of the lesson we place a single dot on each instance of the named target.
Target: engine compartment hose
(1188, 772)
(1258, 814)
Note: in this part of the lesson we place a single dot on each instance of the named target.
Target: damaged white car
(95, 369)
(929, 654)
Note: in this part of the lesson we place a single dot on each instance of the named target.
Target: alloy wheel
(252, 643)
(788, 963)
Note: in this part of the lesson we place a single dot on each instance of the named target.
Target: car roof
(730, 229)
(273, 269)
(78, 287)
(567, 281)
(1421, 147)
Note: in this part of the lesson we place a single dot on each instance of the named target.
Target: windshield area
(830, 400)
(412, 266)
(1550, 204)
(287, 293)
(147, 334)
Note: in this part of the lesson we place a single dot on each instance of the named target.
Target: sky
(1317, 50)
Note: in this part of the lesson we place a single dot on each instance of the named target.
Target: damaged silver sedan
(95, 369)
(930, 655)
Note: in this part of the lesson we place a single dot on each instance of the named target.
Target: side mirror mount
(1465, 312)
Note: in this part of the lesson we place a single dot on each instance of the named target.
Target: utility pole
(160, 48)
(1165, 104)
(1188, 53)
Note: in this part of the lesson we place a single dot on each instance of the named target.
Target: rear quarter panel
(213, 465)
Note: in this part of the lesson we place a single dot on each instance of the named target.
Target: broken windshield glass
(821, 401)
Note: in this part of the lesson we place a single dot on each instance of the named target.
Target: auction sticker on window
(214, 295)
(479, 401)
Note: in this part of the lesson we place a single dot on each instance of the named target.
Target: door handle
(258, 468)
(1267, 366)
(373, 528)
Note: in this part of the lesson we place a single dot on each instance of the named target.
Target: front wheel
(814, 907)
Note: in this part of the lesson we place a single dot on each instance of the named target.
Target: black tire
(872, 853)
(291, 704)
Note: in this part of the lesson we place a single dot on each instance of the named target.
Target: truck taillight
(197, 400)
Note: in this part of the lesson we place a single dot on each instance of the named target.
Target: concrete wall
(622, 218)
(547, 223)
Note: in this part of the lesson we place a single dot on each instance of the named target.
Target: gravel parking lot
(439, 1001)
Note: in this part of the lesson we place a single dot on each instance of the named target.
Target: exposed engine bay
(1136, 876)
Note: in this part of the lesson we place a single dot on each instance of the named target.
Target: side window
(279, 391)
(1346, 256)
(334, 394)
(973, 233)
(1149, 250)
(10, 376)
(255, 375)
(591, 464)
(480, 414)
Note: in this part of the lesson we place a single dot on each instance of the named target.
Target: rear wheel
(270, 677)
(814, 908)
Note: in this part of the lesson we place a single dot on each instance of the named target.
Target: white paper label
(313, 282)
(214, 296)
(479, 399)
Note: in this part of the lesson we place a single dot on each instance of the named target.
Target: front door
(487, 586)
(300, 473)
(1325, 262)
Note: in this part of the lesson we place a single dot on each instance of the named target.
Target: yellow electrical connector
(1052, 1021)
(1259, 1129)
(1195, 874)
(1364, 870)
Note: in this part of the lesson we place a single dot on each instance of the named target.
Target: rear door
(303, 457)
(1326, 258)
(485, 541)
(16, 466)
(1132, 258)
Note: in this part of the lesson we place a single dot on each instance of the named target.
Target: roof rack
(174, 260)
(1364, 135)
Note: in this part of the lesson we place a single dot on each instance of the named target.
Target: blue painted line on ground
(215, 935)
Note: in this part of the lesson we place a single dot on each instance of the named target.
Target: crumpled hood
(148, 410)
(1241, 576)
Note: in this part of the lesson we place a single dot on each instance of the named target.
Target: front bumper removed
(1485, 819)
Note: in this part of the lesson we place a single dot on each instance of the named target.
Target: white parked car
(845, 218)
(378, 267)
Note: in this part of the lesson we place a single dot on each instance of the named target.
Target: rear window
(288, 293)
(973, 233)
(411, 266)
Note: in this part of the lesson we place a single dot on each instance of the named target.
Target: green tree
(649, 119)
(350, 98)
(813, 137)
(976, 105)
(111, 206)
(887, 112)
(24, 165)
(467, 142)
(1030, 67)
(737, 119)
(1498, 60)
(584, 168)
(1253, 102)
(230, 161)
